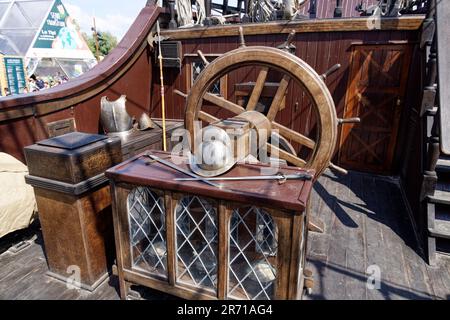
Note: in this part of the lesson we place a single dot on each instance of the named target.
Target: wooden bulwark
(126, 70)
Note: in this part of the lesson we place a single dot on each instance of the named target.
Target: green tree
(106, 42)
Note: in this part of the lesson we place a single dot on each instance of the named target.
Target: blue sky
(114, 16)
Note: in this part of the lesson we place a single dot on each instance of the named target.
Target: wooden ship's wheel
(291, 68)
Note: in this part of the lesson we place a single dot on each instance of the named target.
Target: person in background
(39, 83)
(32, 84)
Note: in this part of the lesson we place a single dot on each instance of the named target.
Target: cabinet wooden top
(292, 195)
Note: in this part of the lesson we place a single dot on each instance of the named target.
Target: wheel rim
(291, 67)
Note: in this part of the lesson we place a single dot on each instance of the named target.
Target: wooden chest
(73, 157)
(74, 204)
(139, 141)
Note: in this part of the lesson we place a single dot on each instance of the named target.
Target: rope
(184, 11)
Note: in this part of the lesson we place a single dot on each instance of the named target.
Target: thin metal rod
(179, 169)
(304, 176)
(161, 76)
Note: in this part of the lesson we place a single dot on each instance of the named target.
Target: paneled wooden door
(376, 90)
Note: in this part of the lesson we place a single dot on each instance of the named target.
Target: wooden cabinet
(74, 204)
(243, 241)
(137, 141)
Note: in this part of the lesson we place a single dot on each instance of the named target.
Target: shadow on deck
(367, 228)
(368, 233)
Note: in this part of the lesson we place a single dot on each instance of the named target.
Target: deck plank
(355, 286)
(406, 245)
(336, 273)
(397, 283)
(374, 239)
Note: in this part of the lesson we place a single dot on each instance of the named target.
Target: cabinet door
(147, 231)
(196, 242)
(376, 90)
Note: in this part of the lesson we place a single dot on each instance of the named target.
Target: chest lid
(72, 140)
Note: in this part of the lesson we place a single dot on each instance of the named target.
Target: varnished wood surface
(292, 195)
(365, 223)
(280, 27)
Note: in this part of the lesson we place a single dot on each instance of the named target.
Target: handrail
(443, 57)
(406, 23)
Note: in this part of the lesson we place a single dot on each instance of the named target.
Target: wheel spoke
(257, 90)
(207, 117)
(279, 96)
(293, 135)
(282, 142)
(286, 156)
(224, 103)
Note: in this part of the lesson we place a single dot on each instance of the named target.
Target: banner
(59, 37)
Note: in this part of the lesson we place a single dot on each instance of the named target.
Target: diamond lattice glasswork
(253, 251)
(197, 237)
(146, 214)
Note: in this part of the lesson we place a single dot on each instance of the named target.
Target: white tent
(42, 32)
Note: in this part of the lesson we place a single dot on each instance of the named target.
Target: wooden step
(443, 165)
(440, 196)
(441, 229)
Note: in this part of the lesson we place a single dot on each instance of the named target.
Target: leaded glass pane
(253, 254)
(197, 68)
(146, 215)
(197, 238)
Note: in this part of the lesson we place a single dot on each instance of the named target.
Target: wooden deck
(366, 224)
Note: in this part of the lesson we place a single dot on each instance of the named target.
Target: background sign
(15, 74)
(60, 37)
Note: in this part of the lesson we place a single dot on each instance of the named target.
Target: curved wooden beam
(92, 82)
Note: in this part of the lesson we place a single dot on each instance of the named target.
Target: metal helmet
(145, 122)
(114, 116)
(214, 155)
